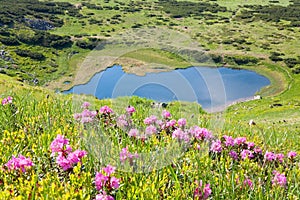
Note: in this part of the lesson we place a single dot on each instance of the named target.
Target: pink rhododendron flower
(122, 122)
(202, 193)
(150, 120)
(100, 180)
(229, 141)
(200, 133)
(181, 122)
(105, 110)
(181, 135)
(171, 123)
(130, 110)
(150, 130)
(20, 162)
(279, 179)
(133, 133)
(269, 156)
(240, 140)
(248, 182)
(59, 144)
(85, 105)
(109, 170)
(103, 196)
(63, 162)
(292, 154)
(114, 182)
(234, 155)
(250, 145)
(279, 157)
(216, 146)
(257, 150)
(126, 155)
(246, 154)
(166, 114)
(7, 100)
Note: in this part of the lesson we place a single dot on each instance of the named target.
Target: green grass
(38, 114)
(42, 115)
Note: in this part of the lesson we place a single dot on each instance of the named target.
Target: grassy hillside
(56, 146)
(36, 116)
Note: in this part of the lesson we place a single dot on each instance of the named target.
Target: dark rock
(39, 24)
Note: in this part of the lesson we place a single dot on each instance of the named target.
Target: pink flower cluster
(150, 120)
(200, 133)
(216, 146)
(248, 183)
(126, 155)
(202, 193)
(105, 110)
(240, 149)
(130, 110)
(104, 181)
(7, 100)
(123, 122)
(86, 116)
(279, 179)
(20, 162)
(103, 196)
(181, 135)
(66, 159)
(166, 114)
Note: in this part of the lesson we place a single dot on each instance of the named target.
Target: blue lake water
(210, 87)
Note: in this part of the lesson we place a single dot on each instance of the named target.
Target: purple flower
(240, 140)
(109, 170)
(76, 156)
(229, 141)
(279, 157)
(103, 196)
(257, 150)
(181, 122)
(85, 105)
(250, 145)
(216, 146)
(122, 122)
(100, 180)
(202, 193)
(150, 120)
(248, 182)
(59, 145)
(166, 114)
(114, 182)
(269, 156)
(200, 133)
(246, 154)
(133, 133)
(86, 116)
(171, 123)
(292, 154)
(77, 116)
(7, 100)
(126, 155)
(234, 155)
(150, 130)
(105, 110)
(180, 135)
(279, 179)
(63, 162)
(130, 110)
(20, 162)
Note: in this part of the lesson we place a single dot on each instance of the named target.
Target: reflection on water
(211, 87)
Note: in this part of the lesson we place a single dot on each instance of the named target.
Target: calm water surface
(211, 87)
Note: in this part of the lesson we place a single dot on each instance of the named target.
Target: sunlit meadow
(48, 151)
